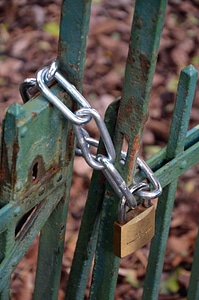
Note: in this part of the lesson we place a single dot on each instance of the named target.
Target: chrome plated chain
(83, 116)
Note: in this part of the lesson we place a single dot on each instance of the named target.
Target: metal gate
(37, 151)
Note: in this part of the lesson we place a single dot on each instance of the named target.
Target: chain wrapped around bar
(81, 117)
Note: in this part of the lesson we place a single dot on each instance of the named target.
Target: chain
(81, 117)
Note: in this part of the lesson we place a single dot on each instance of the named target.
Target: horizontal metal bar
(179, 165)
(163, 168)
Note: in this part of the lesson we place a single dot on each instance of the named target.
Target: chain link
(42, 82)
(93, 162)
(25, 87)
(117, 182)
(81, 117)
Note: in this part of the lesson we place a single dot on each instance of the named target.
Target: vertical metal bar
(75, 16)
(71, 55)
(193, 290)
(146, 31)
(175, 147)
(87, 238)
(51, 245)
(52, 235)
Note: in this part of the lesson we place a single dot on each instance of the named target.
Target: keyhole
(35, 171)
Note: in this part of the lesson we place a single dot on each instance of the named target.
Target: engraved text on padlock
(136, 232)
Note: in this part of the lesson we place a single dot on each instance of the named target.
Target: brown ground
(28, 36)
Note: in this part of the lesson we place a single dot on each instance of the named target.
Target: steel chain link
(81, 117)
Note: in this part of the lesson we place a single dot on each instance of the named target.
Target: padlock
(135, 228)
(136, 232)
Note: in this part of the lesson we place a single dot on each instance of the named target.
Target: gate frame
(46, 196)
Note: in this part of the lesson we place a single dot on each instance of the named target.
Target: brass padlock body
(136, 232)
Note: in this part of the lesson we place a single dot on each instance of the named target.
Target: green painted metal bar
(71, 55)
(55, 222)
(193, 290)
(146, 31)
(75, 16)
(52, 239)
(87, 238)
(177, 166)
(159, 159)
(51, 249)
(175, 147)
(143, 50)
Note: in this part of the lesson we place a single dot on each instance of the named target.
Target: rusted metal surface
(71, 55)
(132, 115)
(36, 168)
(31, 163)
(73, 38)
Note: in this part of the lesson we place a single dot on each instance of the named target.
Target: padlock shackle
(123, 203)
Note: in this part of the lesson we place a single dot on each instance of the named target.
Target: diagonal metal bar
(15, 254)
(175, 147)
(146, 31)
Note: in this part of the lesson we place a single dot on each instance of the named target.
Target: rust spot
(61, 94)
(69, 146)
(34, 115)
(8, 169)
(128, 109)
(138, 22)
(54, 169)
(144, 61)
(61, 50)
(133, 155)
(62, 237)
(131, 58)
(108, 194)
(74, 67)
